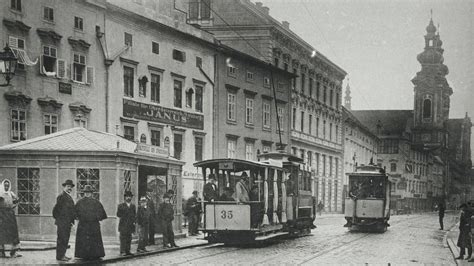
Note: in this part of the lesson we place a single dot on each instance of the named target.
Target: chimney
(266, 9)
(286, 24)
(259, 4)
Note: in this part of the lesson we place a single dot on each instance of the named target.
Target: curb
(450, 244)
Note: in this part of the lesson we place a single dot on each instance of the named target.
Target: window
(79, 67)
(18, 43)
(281, 116)
(266, 115)
(198, 98)
(88, 176)
(324, 165)
(143, 138)
(325, 94)
(266, 82)
(142, 86)
(179, 55)
(248, 111)
(337, 101)
(231, 106)
(249, 76)
(80, 121)
(16, 5)
(155, 47)
(337, 133)
(231, 71)
(330, 131)
(48, 59)
(28, 182)
(303, 80)
(310, 87)
(206, 9)
(266, 148)
(48, 14)
(129, 133)
(128, 78)
(18, 125)
(285, 66)
(324, 129)
(310, 158)
(50, 123)
(426, 108)
(178, 145)
(155, 88)
(189, 98)
(393, 167)
(198, 148)
(78, 23)
(388, 146)
(293, 126)
(248, 151)
(231, 143)
(128, 39)
(302, 122)
(331, 95)
(310, 124)
(330, 165)
(178, 93)
(198, 62)
(318, 85)
(317, 126)
(294, 79)
(193, 9)
(155, 137)
(276, 62)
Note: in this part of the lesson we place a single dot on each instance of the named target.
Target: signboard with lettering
(65, 88)
(155, 113)
(151, 150)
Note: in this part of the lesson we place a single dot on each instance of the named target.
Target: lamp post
(7, 65)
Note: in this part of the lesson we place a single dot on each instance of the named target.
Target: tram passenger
(256, 208)
(241, 189)
(210, 192)
(227, 195)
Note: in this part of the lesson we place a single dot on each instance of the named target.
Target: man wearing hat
(167, 216)
(90, 212)
(210, 189)
(193, 211)
(151, 208)
(64, 215)
(241, 188)
(126, 211)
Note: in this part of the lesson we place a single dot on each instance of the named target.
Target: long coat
(192, 206)
(64, 211)
(166, 212)
(464, 239)
(89, 243)
(210, 192)
(8, 224)
(241, 192)
(127, 217)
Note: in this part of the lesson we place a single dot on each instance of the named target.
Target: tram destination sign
(155, 113)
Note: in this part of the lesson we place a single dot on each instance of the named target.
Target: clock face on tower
(426, 137)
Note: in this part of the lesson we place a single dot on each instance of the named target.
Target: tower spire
(348, 98)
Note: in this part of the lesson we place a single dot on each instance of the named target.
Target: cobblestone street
(411, 239)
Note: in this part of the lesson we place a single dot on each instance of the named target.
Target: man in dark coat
(193, 211)
(167, 216)
(464, 239)
(90, 212)
(64, 213)
(441, 214)
(151, 209)
(126, 211)
(210, 192)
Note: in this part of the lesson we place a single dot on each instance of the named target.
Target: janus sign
(154, 113)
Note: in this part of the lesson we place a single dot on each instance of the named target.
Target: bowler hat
(128, 193)
(68, 182)
(244, 175)
(195, 192)
(88, 188)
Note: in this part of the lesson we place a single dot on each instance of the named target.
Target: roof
(391, 122)
(349, 116)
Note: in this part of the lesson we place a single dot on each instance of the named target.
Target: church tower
(431, 93)
(347, 98)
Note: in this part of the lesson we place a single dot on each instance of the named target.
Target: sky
(376, 42)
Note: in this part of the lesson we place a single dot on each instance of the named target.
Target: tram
(368, 205)
(281, 200)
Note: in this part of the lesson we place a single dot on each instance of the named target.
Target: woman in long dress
(9, 238)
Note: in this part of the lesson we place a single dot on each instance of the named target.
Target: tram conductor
(210, 189)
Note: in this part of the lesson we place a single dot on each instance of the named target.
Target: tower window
(426, 108)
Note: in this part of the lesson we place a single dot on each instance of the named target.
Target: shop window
(19, 45)
(128, 78)
(179, 55)
(249, 111)
(178, 92)
(128, 39)
(266, 115)
(129, 133)
(88, 176)
(155, 88)
(198, 98)
(16, 5)
(78, 23)
(48, 14)
(155, 137)
(231, 106)
(178, 145)
(198, 141)
(189, 98)
(18, 125)
(50, 122)
(249, 151)
(28, 182)
(231, 144)
(155, 47)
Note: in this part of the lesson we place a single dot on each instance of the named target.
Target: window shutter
(41, 64)
(61, 68)
(89, 75)
(12, 42)
(70, 72)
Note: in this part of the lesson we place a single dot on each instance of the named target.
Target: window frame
(266, 119)
(249, 151)
(33, 204)
(128, 82)
(125, 133)
(78, 23)
(128, 39)
(48, 16)
(179, 55)
(198, 148)
(231, 106)
(231, 149)
(152, 135)
(18, 122)
(50, 124)
(75, 66)
(249, 110)
(178, 93)
(16, 5)
(155, 47)
(50, 48)
(155, 88)
(94, 182)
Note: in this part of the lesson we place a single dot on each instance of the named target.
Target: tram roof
(236, 165)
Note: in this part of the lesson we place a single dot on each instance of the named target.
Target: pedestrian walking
(152, 209)
(167, 216)
(90, 212)
(64, 214)
(210, 192)
(464, 239)
(320, 207)
(193, 211)
(441, 210)
(127, 213)
(143, 221)
(9, 238)
(241, 189)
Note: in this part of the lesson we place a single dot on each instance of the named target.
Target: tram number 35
(226, 214)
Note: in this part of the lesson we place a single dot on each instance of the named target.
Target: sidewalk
(45, 252)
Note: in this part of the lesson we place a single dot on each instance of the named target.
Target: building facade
(315, 111)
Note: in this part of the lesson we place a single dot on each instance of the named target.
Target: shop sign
(155, 113)
(192, 175)
(151, 150)
(65, 88)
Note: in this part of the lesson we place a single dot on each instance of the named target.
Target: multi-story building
(315, 111)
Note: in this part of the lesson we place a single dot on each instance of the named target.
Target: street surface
(411, 239)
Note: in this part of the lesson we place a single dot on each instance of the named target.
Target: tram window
(367, 187)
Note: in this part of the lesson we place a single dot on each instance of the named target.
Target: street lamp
(7, 65)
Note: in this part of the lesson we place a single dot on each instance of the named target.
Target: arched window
(426, 108)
